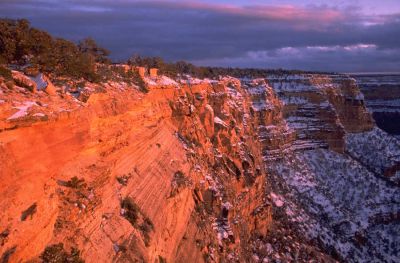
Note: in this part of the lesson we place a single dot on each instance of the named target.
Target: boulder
(23, 81)
(141, 71)
(50, 88)
(153, 72)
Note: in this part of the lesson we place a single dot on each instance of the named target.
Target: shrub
(25, 85)
(137, 79)
(30, 211)
(131, 210)
(10, 84)
(7, 254)
(133, 215)
(146, 227)
(161, 259)
(180, 179)
(123, 180)
(89, 46)
(32, 71)
(146, 234)
(76, 183)
(3, 237)
(186, 68)
(5, 73)
(56, 254)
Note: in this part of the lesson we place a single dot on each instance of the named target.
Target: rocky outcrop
(184, 156)
(382, 97)
(192, 171)
(267, 113)
(349, 104)
(321, 108)
(335, 189)
(50, 88)
(212, 122)
(24, 81)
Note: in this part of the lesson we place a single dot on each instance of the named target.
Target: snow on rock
(257, 90)
(219, 121)
(40, 81)
(160, 81)
(261, 105)
(333, 198)
(22, 110)
(263, 97)
(167, 81)
(359, 96)
(294, 100)
(380, 105)
(209, 108)
(376, 149)
(223, 229)
(187, 79)
(227, 205)
(150, 81)
(277, 199)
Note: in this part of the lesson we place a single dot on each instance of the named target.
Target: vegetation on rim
(23, 45)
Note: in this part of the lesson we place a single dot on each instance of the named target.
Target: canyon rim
(219, 152)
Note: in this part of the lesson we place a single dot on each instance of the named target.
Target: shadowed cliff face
(382, 95)
(193, 171)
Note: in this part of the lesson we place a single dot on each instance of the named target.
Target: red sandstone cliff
(176, 174)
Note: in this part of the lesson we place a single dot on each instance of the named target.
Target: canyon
(382, 94)
(286, 168)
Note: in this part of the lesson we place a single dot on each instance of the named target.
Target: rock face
(382, 96)
(322, 108)
(24, 81)
(197, 171)
(183, 155)
(50, 88)
(337, 187)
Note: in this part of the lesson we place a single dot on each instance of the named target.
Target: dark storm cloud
(264, 36)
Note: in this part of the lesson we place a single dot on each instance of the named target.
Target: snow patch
(22, 110)
(219, 121)
(40, 82)
(277, 199)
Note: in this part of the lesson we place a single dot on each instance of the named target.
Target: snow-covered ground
(22, 110)
(160, 81)
(40, 81)
(382, 93)
(337, 201)
(342, 201)
(376, 149)
(261, 93)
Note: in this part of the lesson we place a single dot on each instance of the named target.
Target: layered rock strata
(382, 96)
(237, 170)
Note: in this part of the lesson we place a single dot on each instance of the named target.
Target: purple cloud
(289, 36)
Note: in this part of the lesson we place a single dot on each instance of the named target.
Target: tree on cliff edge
(89, 46)
(22, 44)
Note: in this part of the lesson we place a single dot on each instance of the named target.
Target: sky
(322, 35)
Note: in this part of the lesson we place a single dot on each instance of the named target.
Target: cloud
(354, 58)
(290, 36)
